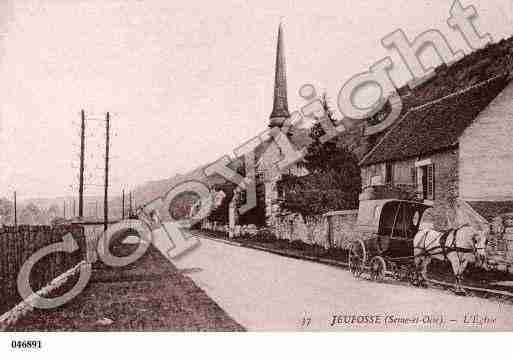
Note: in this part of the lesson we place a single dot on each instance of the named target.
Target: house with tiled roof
(454, 152)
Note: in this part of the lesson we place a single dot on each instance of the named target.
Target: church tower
(280, 104)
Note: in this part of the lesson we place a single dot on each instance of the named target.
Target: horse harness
(444, 249)
(443, 241)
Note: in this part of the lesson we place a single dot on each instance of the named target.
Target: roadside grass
(148, 295)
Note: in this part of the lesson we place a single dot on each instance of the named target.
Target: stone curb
(331, 262)
(13, 315)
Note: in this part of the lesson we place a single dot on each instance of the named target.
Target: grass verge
(148, 295)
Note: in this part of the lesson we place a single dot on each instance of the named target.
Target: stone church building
(269, 153)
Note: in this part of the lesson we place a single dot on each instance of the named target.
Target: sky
(184, 82)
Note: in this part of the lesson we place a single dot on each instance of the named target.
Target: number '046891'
(26, 344)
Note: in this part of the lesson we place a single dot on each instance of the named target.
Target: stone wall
(267, 167)
(292, 228)
(500, 242)
(341, 228)
(331, 230)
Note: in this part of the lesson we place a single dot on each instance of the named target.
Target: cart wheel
(394, 270)
(378, 268)
(416, 278)
(357, 258)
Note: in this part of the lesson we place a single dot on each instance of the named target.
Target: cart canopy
(391, 217)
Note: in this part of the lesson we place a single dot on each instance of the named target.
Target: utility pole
(130, 196)
(15, 211)
(74, 213)
(64, 209)
(123, 204)
(106, 193)
(96, 210)
(82, 150)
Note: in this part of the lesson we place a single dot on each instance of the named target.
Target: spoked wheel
(378, 268)
(414, 277)
(357, 258)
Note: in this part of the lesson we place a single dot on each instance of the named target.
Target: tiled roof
(436, 125)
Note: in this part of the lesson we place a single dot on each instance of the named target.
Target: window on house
(242, 196)
(389, 173)
(430, 182)
(375, 174)
(426, 181)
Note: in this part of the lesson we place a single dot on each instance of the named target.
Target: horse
(459, 246)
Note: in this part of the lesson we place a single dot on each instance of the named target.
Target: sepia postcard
(242, 166)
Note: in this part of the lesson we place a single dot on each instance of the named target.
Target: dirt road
(264, 291)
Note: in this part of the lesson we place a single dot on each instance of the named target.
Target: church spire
(280, 104)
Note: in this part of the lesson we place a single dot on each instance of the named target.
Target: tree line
(29, 213)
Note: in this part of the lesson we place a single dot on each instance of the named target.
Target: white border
(262, 345)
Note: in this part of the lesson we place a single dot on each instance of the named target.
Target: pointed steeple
(280, 104)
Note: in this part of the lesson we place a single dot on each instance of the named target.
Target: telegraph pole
(74, 213)
(123, 204)
(15, 211)
(130, 199)
(64, 209)
(82, 150)
(106, 193)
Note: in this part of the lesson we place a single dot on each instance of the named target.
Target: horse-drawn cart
(389, 242)
(385, 245)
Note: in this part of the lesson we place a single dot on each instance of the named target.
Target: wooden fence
(18, 244)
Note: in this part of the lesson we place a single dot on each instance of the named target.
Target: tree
(52, 212)
(6, 211)
(333, 182)
(30, 214)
